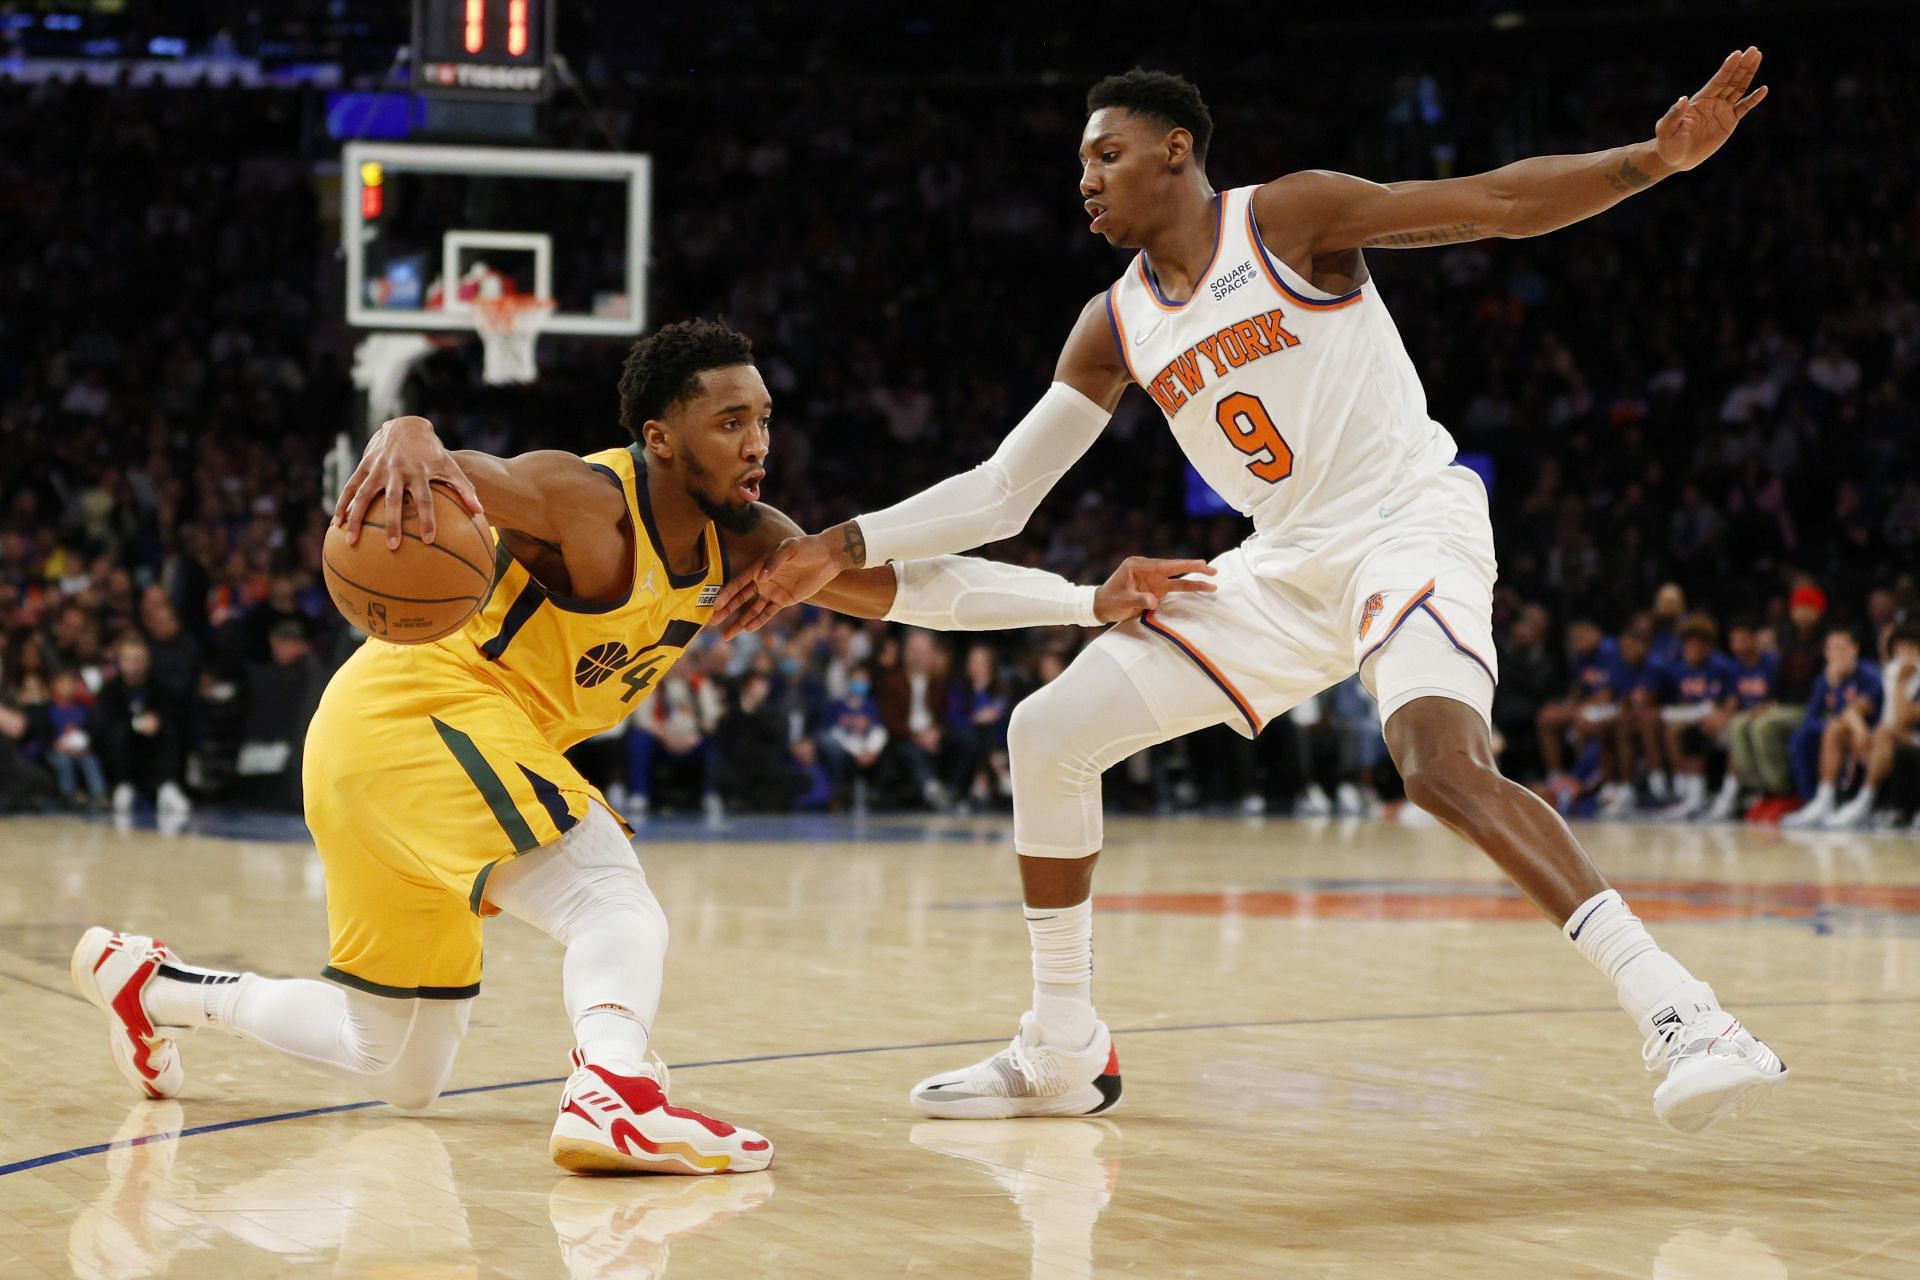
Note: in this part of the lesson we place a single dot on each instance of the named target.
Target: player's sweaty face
(1122, 157)
(724, 439)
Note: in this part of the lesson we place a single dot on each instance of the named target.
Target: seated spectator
(140, 731)
(1695, 696)
(1899, 726)
(1642, 735)
(1802, 654)
(758, 772)
(1837, 730)
(670, 745)
(911, 697)
(1530, 682)
(24, 786)
(978, 712)
(1585, 718)
(854, 740)
(281, 695)
(66, 743)
(1752, 671)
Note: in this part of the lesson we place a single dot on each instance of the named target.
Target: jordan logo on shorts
(1374, 605)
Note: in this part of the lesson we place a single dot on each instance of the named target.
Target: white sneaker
(1726, 801)
(1810, 814)
(1616, 801)
(1253, 805)
(610, 1123)
(1027, 1078)
(123, 798)
(1855, 814)
(1715, 1066)
(1313, 803)
(172, 801)
(1347, 802)
(112, 971)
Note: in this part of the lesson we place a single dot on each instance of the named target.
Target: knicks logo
(599, 662)
(1373, 607)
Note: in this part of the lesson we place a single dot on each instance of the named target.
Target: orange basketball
(423, 590)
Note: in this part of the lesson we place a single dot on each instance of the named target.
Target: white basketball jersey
(1300, 409)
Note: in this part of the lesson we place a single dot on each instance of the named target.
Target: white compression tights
(586, 891)
(1092, 717)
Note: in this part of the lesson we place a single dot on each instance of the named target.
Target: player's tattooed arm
(853, 545)
(1305, 215)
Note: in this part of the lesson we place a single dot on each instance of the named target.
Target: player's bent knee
(1452, 786)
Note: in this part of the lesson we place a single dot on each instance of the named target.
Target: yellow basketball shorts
(420, 777)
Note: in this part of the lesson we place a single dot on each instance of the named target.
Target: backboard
(423, 226)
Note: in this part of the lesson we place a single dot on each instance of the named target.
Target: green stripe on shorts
(492, 790)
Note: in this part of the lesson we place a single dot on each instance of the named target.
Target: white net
(509, 328)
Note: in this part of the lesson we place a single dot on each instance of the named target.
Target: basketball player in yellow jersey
(1248, 316)
(437, 789)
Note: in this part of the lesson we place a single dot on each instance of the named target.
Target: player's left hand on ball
(1142, 583)
(403, 460)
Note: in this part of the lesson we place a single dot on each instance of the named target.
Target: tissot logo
(470, 76)
(1226, 284)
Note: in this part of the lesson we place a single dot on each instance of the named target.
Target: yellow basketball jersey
(581, 666)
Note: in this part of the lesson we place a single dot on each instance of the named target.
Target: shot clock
(497, 50)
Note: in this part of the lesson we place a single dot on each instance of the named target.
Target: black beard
(729, 517)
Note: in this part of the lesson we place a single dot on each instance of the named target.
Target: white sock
(1822, 797)
(1730, 786)
(612, 1037)
(184, 995)
(1063, 973)
(1657, 782)
(1646, 979)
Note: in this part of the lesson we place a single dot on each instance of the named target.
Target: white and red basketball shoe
(112, 971)
(610, 1123)
(1716, 1069)
(1027, 1078)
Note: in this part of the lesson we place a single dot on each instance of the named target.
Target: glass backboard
(426, 229)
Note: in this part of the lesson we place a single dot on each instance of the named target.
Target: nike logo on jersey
(1237, 344)
(1140, 338)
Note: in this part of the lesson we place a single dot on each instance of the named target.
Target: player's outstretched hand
(790, 573)
(404, 458)
(1695, 127)
(1140, 584)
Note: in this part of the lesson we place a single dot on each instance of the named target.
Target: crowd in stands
(1697, 413)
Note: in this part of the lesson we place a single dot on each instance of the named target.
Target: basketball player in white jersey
(1250, 319)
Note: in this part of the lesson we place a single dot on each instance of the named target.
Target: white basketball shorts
(1407, 601)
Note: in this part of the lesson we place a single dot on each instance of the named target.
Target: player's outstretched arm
(990, 502)
(1316, 212)
(964, 593)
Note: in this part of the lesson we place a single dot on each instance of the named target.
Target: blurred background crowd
(1696, 414)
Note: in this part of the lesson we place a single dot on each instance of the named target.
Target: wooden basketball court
(1349, 1050)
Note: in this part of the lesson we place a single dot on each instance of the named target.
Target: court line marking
(99, 1148)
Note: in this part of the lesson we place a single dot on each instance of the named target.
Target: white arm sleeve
(994, 500)
(960, 593)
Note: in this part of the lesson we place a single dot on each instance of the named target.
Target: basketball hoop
(509, 326)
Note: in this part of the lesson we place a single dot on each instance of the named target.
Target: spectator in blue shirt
(1642, 745)
(1694, 692)
(1838, 729)
(1591, 658)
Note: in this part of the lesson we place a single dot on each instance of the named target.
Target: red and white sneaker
(112, 971)
(1027, 1078)
(610, 1123)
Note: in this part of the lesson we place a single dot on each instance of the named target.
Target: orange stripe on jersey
(1406, 610)
(1120, 333)
(1181, 643)
(1273, 274)
(1219, 238)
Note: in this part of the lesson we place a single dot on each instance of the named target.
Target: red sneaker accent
(126, 1003)
(105, 952)
(1113, 1063)
(761, 1145)
(643, 1095)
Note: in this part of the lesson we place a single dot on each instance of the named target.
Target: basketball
(420, 591)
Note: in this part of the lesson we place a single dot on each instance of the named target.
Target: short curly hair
(664, 367)
(1172, 100)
